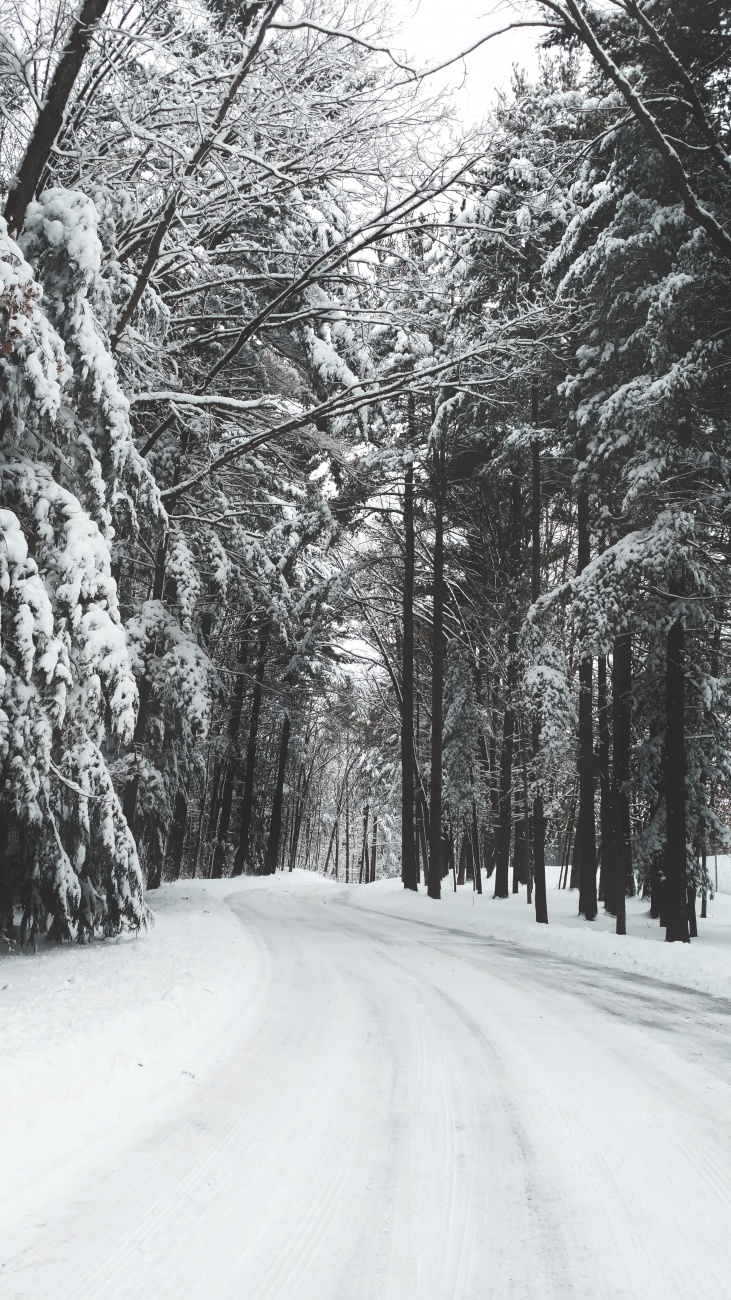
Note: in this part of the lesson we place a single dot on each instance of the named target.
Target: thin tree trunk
(476, 850)
(424, 850)
(517, 854)
(676, 888)
(437, 701)
(608, 871)
(587, 830)
(374, 845)
(51, 114)
(271, 855)
(408, 862)
(494, 799)
(692, 920)
(364, 871)
(247, 803)
(506, 758)
(539, 821)
(502, 864)
(621, 720)
(526, 832)
(347, 835)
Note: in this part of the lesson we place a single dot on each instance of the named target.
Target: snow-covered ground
(291, 1090)
(704, 965)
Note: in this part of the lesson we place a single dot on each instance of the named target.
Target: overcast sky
(432, 30)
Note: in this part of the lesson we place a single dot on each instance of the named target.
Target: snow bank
(704, 964)
(100, 1039)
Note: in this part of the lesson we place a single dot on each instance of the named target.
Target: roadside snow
(704, 964)
(99, 1040)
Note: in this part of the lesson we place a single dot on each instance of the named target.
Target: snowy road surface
(413, 1113)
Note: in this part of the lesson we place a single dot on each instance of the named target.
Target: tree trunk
(51, 114)
(424, 850)
(622, 721)
(539, 821)
(494, 779)
(676, 888)
(505, 825)
(692, 920)
(462, 860)
(476, 850)
(608, 872)
(271, 855)
(437, 689)
(374, 845)
(364, 870)
(347, 835)
(247, 802)
(526, 833)
(506, 758)
(408, 858)
(587, 830)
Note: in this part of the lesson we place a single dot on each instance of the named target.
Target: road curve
(414, 1113)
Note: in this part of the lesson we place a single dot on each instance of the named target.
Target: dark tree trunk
(608, 872)
(247, 802)
(621, 727)
(505, 814)
(575, 881)
(518, 854)
(494, 778)
(502, 865)
(692, 920)
(676, 888)
(587, 829)
(364, 872)
(271, 856)
(462, 873)
(476, 850)
(347, 835)
(408, 858)
(526, 833)
(539, 821)
(424, 849)
(374, 846)
(437, 689)
(51, 114)
(656, 886)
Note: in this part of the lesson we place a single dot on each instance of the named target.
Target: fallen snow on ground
(292, 1091)
(704, 964)
(97, 1039)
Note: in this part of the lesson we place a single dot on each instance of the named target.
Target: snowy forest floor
(293, 1090)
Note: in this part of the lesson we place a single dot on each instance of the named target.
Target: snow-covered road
(414, 1113)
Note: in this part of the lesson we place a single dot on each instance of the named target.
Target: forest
(365, 491)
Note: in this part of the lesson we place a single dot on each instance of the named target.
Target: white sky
(433, 30)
